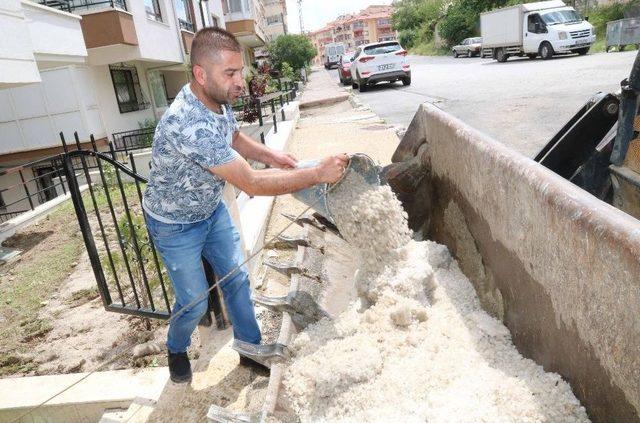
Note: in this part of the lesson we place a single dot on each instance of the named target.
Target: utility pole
(300, 16)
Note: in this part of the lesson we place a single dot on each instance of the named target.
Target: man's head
(216, 65)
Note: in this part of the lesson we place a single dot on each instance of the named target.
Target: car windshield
(561, 16)
(382, 48)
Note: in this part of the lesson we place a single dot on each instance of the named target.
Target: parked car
(469, 47)
(379, 62)
(333, 52)
(344, 68)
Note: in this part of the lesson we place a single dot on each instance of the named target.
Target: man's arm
(253, 150)
(277, 182)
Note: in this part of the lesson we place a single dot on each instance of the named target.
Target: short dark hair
(209, 42)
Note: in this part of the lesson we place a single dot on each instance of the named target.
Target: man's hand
(283, 160)
(332, 168)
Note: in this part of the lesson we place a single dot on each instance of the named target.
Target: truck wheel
(546, 51)
(501, 55)
(582, 51)
(469, 54)
(532, 56)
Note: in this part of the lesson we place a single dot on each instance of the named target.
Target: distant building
(370, 25)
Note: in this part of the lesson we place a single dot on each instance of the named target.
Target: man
(196, 148)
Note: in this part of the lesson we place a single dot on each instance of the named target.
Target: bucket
(317, 196)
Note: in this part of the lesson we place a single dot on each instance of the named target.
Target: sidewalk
(321, 90)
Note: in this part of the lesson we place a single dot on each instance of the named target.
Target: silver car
(469, 47)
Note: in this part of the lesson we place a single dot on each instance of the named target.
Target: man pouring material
(196, 149)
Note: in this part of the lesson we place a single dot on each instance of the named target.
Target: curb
(324, 101)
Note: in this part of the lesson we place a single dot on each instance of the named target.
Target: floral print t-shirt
(189, 139)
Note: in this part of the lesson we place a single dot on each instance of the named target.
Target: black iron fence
(130, 275)
(266, 110)
(133, 140)
(32, 184)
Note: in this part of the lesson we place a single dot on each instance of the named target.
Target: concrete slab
(84, 402)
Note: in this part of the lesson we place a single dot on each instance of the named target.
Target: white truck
(332, 53)
(543, 28)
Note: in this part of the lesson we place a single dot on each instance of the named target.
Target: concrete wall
(559, 267)
(32, 116)
(55, 35)
(17, 63)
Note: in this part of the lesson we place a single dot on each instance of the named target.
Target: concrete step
(85, 402)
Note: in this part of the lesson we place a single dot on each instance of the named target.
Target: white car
(378, 62)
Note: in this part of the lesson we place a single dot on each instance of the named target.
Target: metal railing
(38, 182)
(268, 108)
(73, 5)
(133, 140)
(130, 275)
(187, 26)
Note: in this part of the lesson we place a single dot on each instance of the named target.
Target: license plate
(386, 67)
(582, 44)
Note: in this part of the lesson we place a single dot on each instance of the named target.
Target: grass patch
(429, 49)
(82, 296)
(11, 364)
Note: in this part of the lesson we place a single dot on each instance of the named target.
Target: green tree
(294, 49)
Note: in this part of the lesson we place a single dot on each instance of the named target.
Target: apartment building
(370, 25)
(246, 20)
(92, 66)
(319, 39)
(276, 16)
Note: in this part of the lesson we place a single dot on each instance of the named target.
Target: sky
(317, 13)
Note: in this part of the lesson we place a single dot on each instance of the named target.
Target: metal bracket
(300, 221)
(289, 269)
(301, 306)
(222, 415)
(264, 354)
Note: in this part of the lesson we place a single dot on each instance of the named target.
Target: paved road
(521, 102)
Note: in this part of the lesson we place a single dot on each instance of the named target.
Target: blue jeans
(182, 247)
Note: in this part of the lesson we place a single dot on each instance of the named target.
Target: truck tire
(532, 56)
(582, 51)
(469, 54)
(501, 55)
(546, 51)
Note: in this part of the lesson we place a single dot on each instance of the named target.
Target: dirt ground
(53, 319)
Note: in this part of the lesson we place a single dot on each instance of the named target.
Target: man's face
(221, 77)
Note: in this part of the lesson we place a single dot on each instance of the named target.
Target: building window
(273, 20)
(152, 8)
(127, 87)
(184, 15)
(234, 6)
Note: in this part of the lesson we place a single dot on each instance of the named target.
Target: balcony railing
(187, 26)
(74, 5)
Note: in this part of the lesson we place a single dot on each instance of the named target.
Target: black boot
(179, 367)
